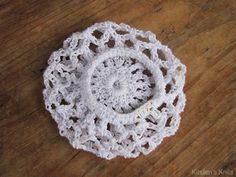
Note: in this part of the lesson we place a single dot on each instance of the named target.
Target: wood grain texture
(202, 33)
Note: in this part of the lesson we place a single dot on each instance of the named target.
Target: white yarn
(114, 90)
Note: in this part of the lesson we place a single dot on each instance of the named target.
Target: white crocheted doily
(114, 90)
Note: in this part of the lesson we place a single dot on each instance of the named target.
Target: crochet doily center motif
(122, 83)
(114, 90)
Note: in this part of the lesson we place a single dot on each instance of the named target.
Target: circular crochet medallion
(114, 90)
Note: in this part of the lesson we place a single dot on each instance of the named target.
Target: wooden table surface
(202, 33)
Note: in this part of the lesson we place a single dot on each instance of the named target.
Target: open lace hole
(53, 106)
(168, 88)
(161, 54)
(95, 120)
(74, 119)
(64, 102)
(129, 43)
(168, 122)
(175, 101)
(178, 68)
(66, 58)
(163, 105)
(80, 57)
(71, 129)
(110, 43)
(135, 71)
(97, 34)
(108, 126)
(152, 85)
(131, 138)
(78, 43)
(174, 81)
(143, 39)
(121, 32)
(164, 71)
(50, 84)
(146, 146)
(147, 52)
(147, 73)
(93, 47)
(149, 120)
